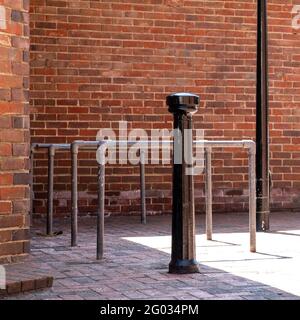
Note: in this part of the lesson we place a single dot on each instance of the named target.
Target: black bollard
(183, 106)
(262, 122)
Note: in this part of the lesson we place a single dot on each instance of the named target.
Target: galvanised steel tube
(31, 181)
(251, 146)
(101, 211)
(143, 188)
(101, 201)
(74, 189)
(222, 143)
(74, 194)
(207, 143)
(57, 146)
(252, 196)
(51, 155)
(262, 121)
(51, 148)
(208, 192)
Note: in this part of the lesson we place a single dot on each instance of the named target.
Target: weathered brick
(20, 122)
(21, 150)
(5, 122)
(6, 108)
(9, 81)
(41, 283)
(5, 149)
(13, 287)
(5, 94)
(10, 193)
(11, 221)
(20, 206)
(5, 236)
(5, 207)
(22, 234)
(11, 164)
(21, 178)
(27, 285)
(17, 16)
(10, 135)
(6, 179)
(11, 248)
(19, 42)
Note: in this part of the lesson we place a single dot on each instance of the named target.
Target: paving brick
(14, 287)
(28, 285)
(229, 272)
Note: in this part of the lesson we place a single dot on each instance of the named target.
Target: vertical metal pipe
(252, 198)
(183, 258)
(262, 121)
(101, 208)
(31, 182)
(208, 193)
(143, 188)
(74, 194)
(51, 154)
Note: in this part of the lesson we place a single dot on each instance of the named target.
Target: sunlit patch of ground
(276, 262)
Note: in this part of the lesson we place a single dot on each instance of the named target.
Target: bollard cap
(183, 102)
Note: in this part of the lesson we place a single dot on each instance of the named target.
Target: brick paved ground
(137, 257)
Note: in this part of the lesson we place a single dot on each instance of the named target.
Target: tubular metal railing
(52, 148)
(92, 145)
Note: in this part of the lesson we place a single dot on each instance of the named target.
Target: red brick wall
(14, 129)
(94, 63)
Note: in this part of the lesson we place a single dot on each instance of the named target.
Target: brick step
(21, 277)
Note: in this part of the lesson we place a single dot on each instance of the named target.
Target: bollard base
(52, 234)
(184, 266)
